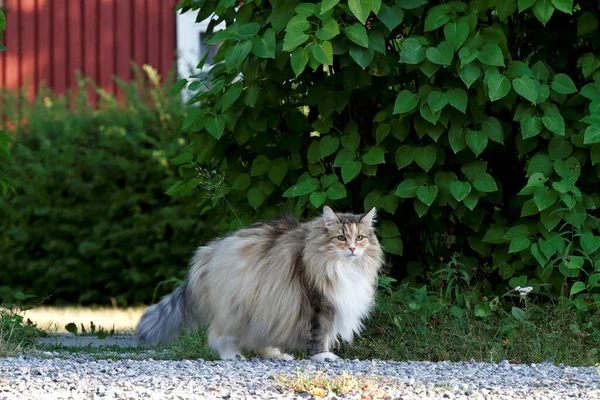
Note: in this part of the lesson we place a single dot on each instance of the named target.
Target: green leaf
(264, 47)
(299, 60)
(328, 145)
(544, 198)
(230, 96)
(412, 52)
(574, 262)
(427, 194)
(441, 55)
(317, 199)
(471, 72)
(485, 183)
(518, 313)
(477, 141)
(458, 99)
(525, 4)
(436, 100)
(358, 34)
(543, 10)
(234, 56)
(215, 126)
(327, 5)
(456, 33)
(381, 132)
(407, 189)
(425, 156)
(336, 191)
(591, 135)
(492, 127)
(498, 86)
(526, 87)
(374, 156)
(406, 101)
(392, 245)
(256, 197)
(456, 137)
(328, 30)
(404, 156)
(251, 95)
(181, 159)
(390, 16)
(577, 287)
(361, 9)
(531, 125)
(589, 242)
(260, 165)
(553, 120)
(71, 328)
(343, 156)
(471, 200)
(568, 169)
(351, 141)
(175, 90)
(361, 56)
(350, 170)
(460, 190)
(436, 17)
(467, 55)
(388, 229)
(305, 187)
(563, 84)
(277, 172)
(518, 244)
(491, 54)
(323, 53)
(293, 39)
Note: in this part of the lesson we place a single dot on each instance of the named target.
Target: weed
(319, 384)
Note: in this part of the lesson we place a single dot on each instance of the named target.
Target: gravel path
(81, 377)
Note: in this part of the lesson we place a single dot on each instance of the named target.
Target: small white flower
(523, 291)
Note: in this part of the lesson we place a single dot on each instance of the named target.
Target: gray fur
(276, 284)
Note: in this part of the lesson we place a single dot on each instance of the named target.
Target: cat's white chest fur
(353, 297)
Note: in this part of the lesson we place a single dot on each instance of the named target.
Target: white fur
(353, 299)
(324, 357)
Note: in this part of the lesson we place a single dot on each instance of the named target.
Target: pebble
(82, 377)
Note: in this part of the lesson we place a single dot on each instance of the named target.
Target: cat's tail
(166, 320)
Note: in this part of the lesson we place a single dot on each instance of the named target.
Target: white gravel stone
(80, 377)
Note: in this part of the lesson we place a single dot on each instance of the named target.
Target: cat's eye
(359, 238)
(341, 238)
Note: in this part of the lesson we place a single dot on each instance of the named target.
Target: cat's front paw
(324, 357)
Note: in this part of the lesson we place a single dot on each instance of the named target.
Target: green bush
(89, 220)
(473, 126)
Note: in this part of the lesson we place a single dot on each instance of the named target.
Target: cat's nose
(352, 249)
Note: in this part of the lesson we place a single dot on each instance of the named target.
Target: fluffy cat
(278, 284)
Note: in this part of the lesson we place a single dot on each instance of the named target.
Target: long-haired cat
(278, 284)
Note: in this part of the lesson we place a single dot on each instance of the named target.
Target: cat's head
(350, 235)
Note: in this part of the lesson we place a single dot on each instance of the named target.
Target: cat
(278, 284)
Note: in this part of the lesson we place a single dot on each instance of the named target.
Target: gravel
(83, 377)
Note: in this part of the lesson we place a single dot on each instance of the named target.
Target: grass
(320, 384)
(548, 333)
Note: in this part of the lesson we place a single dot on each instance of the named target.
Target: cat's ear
(329, 217)
(369, 218)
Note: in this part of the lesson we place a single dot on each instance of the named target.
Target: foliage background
(88, 220)
(473, 126)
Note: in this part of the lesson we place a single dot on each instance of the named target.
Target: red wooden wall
(49, 40)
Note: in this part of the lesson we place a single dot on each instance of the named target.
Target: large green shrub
(89, 220)
(4, 138)
(473, 126)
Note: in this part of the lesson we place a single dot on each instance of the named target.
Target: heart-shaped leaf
(456, 32)
(328, 145)
(407, 189)
(526, 87)
(406, 101)
(441, 55)
(350, 170)
(477, 141)
(427, 194)
(460, 190)
(317, 198)
(498, 86)
(491, 54)
(412, 51)
(358, 34)
(425, 156)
